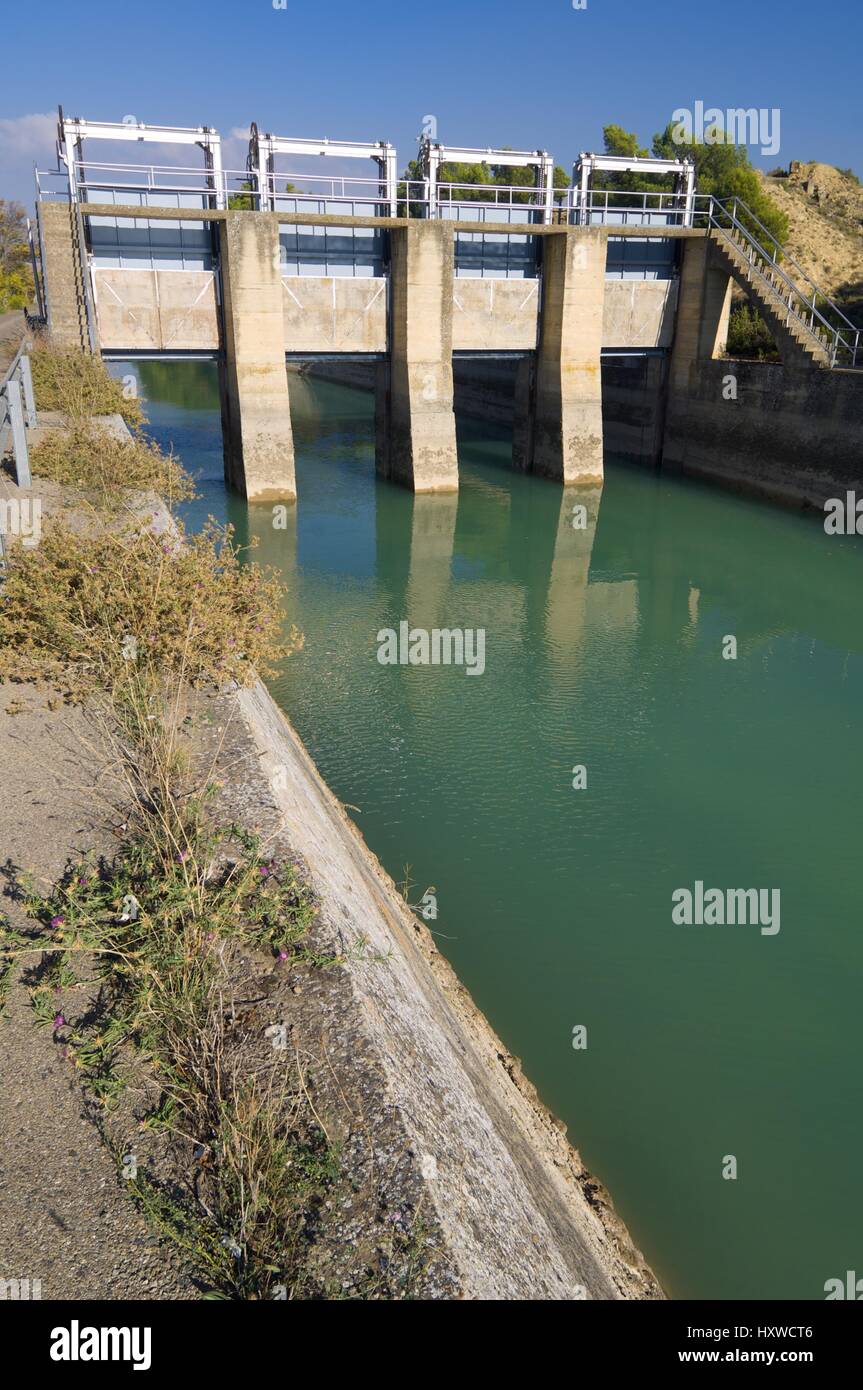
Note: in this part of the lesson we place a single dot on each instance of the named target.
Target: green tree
(624, 143)
(245, 202)
(749, 336)
(16, 280)
(242, 202)
(506, 176)
(725, 170)
(481, 181)
(616, 140)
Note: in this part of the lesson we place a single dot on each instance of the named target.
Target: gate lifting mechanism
(681, 204)
(71, 133)
(433, 155)
(261, 164)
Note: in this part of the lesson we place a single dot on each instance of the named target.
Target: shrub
(156, 927)
(79, 608)
(749, 336)
(88, 455)
(79, 384)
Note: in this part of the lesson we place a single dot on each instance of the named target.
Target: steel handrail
(786, 256)
(795, 292)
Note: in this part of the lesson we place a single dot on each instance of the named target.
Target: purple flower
(57, 921)
(283, 955)
(263, 870)
(59, 1022)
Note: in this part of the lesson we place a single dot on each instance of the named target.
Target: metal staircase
(83, 303)
(793, 307)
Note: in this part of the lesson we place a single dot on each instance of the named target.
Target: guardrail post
(27, 388)
(19, 435)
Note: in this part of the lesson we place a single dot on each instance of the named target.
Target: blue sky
(526, 73)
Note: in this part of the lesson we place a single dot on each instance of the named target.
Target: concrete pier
(256, 417)
(703, 309)
(415, 434)
(562, 438)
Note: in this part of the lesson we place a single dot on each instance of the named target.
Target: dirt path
(64, 1218)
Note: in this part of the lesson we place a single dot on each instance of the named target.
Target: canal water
(604, 651)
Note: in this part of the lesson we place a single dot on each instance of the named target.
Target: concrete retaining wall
(633, 407)
(790, 435)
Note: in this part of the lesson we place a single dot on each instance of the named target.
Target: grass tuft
(81, 608)
(78, 384)
(89, 456)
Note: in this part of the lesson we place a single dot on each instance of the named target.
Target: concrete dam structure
(254, 271)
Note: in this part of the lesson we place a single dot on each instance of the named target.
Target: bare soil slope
(824, 208)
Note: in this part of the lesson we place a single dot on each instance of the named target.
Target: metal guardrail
(615, 206)
(18, 411)
(148, 179)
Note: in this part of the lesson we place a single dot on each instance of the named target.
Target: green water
(604, 648)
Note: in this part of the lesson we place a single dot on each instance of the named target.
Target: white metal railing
(217, 186)
(150, 179)
(346, 186)
(829, 328)
(472, 202)
(637, 208)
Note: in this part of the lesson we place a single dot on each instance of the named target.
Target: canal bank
(459, 1183)
(520, 1215)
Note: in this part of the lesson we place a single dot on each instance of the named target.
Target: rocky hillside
(824, 208)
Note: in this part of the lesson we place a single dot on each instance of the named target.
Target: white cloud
(25, 141)
(28, 137)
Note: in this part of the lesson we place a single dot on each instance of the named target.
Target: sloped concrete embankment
(520, 1215)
